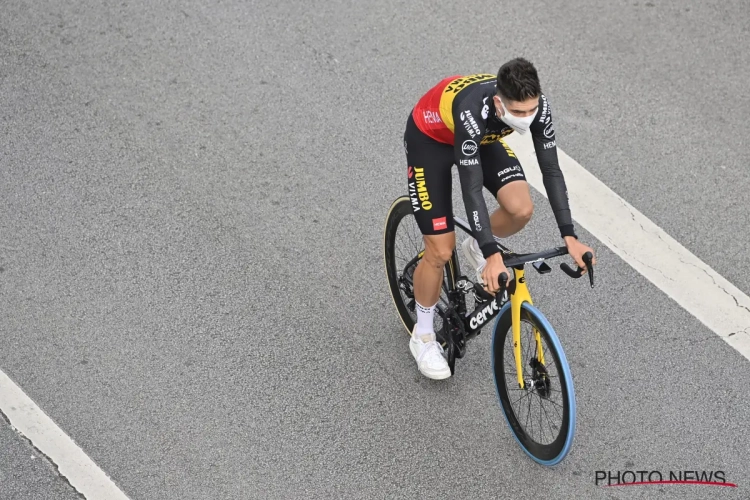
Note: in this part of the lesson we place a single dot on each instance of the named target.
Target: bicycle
(513, 307)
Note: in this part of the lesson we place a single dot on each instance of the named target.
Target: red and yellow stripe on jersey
(433, 114)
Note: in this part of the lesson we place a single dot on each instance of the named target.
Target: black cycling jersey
(460, 111)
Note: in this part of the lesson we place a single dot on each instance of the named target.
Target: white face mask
(521, 125)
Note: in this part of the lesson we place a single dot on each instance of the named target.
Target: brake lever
(485, 295)
(575, 274)
(587, 259)
(502, 279)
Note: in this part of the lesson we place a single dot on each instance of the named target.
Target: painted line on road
(72, 463)
(685, 278)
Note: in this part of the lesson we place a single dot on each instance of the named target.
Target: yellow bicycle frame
(517, 298)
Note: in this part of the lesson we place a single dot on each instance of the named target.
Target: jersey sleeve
(469, 129)
(543, 136)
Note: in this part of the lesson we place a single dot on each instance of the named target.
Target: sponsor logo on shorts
(410, 172)
(469, 148)
(420, 198)
(439, 223)
(505, 179)
(469, 162)
(514, 168)
(549, 145)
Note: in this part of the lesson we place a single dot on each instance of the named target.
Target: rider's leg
(504, 177)
(516, 209)
(429, 164)
(428, 277)
(429, 181)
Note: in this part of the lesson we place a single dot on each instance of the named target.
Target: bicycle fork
(518, 297)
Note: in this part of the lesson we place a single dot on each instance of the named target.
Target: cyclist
(463, 120)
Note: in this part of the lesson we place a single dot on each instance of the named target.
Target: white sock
(424, 320)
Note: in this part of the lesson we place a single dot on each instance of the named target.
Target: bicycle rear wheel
(541, 416)
(403, 245)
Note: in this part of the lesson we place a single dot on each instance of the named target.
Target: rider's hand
(576, 249)
(491, 273)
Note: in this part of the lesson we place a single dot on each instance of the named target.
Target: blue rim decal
(538, 316)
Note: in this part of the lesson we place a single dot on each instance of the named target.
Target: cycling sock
(424, 319)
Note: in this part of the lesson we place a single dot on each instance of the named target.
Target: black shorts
(429, 164)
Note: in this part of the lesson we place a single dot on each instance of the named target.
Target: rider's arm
(468, 132)
(543, 135)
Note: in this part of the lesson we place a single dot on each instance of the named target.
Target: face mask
(521, 125)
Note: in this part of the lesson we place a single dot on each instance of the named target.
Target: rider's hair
(517, 80)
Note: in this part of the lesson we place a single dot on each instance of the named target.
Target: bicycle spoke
(544, 416)
(527, 420)
(540, 423)
(524, 396)
(548, 421)
(403, 259)
(555, 405)
(546, 357)
(532, 420)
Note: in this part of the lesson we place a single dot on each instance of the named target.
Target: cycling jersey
(460, 111)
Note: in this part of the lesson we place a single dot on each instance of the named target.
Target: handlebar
(587, 257)
(521, 259)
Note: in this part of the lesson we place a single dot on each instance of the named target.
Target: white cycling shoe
(429, 355)
(474, 255)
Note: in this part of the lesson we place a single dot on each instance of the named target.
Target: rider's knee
(522, 213)
(438, 255)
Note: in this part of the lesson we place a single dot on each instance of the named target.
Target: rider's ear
(498, 106)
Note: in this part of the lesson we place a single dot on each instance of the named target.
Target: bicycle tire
(544, 454)
(399, 210)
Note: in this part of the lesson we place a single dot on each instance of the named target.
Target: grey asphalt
(26, 474)
(192, 199)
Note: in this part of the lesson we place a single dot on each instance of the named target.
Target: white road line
(648, 249)
(72, 462)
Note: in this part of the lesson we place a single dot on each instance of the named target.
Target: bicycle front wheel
(541, 415)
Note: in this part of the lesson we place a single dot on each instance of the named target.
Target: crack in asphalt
(4, 417)
(640, 261)
(713, 280)
(736, 302)
(739, 331)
